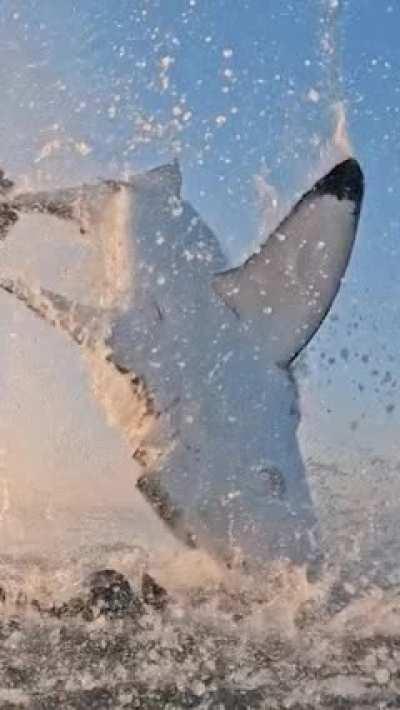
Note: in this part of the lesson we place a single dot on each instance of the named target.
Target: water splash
(273, 203)
(339, 146)
(341, 138)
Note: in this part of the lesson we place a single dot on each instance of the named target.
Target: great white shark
(204, 352)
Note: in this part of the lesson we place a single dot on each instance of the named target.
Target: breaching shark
(205, 351)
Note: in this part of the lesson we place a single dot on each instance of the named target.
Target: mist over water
(68, 502)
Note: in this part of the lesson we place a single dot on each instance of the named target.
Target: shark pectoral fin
(82, 205)
(94, 217)
(285, 290)
(126, 397)
(87, 205)
(82, 323)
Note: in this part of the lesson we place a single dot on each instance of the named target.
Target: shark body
(206, 350)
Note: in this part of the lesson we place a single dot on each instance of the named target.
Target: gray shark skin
(208, 349)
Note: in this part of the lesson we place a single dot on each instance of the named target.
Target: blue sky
(226, 85)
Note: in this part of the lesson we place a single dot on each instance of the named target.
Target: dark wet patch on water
(104, 593)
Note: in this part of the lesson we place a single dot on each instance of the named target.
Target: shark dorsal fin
(167, 178)
(285, 290)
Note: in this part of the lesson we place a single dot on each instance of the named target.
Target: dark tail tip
(345, 181)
